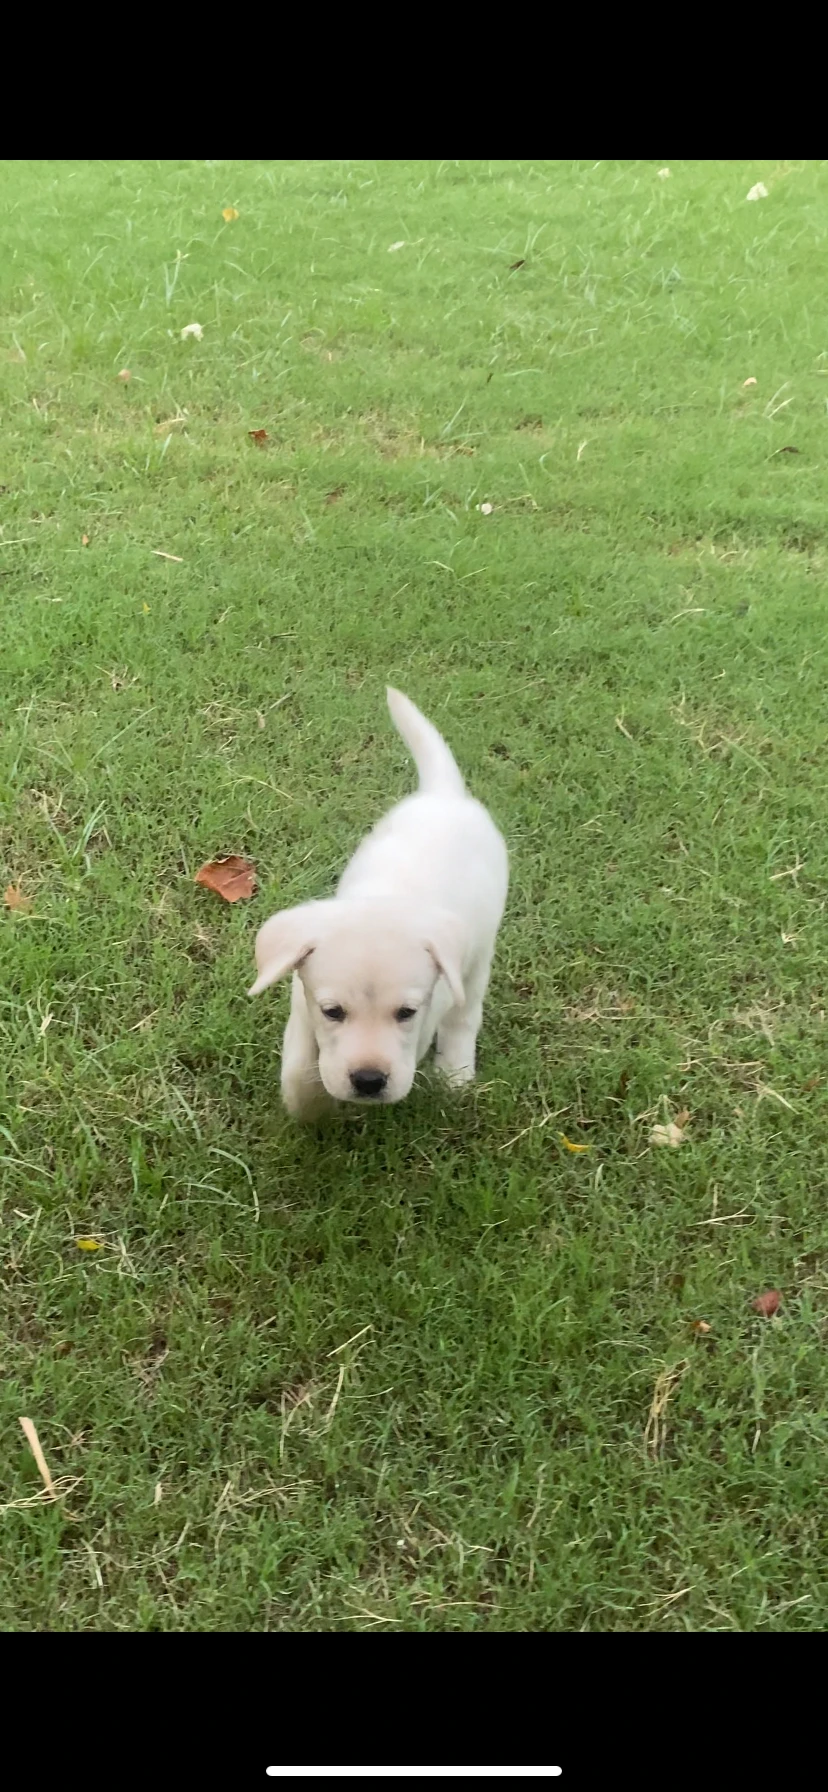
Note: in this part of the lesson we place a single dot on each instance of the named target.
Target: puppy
(401, 955)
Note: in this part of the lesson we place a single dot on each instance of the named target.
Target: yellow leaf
(146, 609)
(88, 1244)
(568, 1145)
(229, 214)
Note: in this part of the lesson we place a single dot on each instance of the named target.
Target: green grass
(628, 657)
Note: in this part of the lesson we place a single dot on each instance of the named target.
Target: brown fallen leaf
(84, 541)
(125, 375)
(514, 265)
(700, 1327)
(259, 436)
(14, 898)
(789, 450)
(767, 1304)
(813, 1082)
(670, 1134)
(229, 214)
(231, 878)
(682, 1116)
(334, 496)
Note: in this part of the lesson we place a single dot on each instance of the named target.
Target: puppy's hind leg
(457, 1032)
(303, 1092)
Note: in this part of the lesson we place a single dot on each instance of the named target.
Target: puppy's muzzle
(368, 1082)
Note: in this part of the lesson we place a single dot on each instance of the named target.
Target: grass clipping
(52, 1489)
(655, 1430)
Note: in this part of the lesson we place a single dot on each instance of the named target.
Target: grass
(397, 1372)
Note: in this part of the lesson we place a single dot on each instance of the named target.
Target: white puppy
(402, 952)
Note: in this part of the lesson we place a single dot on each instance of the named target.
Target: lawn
(545, 446)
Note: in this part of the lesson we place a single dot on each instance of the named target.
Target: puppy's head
(367, 972)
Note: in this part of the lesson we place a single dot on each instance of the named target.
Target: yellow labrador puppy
(401, 954)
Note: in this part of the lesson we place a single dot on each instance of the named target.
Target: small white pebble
(485, 509)
(192, 330)
(760, 191)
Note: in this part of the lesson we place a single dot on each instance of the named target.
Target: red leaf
(766, 1304)
(231, 878)
(259, 436)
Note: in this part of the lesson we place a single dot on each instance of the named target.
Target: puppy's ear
(285, 940)
(444, 941)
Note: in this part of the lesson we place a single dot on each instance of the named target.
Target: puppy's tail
(440, 775)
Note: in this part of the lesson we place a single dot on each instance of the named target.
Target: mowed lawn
(545, 445)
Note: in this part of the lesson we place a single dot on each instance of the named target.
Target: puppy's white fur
(412, 927)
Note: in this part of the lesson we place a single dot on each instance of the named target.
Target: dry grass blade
(357, 1335)
(335, 1401)
(60, 1490)
(51, 1490)
(33, 1441)
(655, 1430)
(764, 1092)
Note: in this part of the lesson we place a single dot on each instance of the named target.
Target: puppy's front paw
(305, 1098)
(305, 1102)
(456, 1074)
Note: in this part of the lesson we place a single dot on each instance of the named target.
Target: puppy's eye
(405, 1014)
(335, 1013)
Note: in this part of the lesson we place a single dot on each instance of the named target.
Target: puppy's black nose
(368, 1082)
